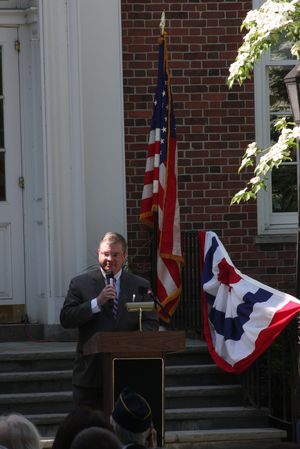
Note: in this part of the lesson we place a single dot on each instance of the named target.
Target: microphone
(109, 277)
(147, 291)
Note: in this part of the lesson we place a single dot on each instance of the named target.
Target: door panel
(12, 284)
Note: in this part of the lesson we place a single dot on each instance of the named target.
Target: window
(277, 206)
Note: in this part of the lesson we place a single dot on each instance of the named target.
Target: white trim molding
(17, 17)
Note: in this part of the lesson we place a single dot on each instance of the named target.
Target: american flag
(242, 317)
(160, 191)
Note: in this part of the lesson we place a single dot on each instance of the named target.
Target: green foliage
(266, 26)
(270, 158)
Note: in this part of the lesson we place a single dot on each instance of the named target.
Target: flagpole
(159, 203)
(162, 23)
(154, 251)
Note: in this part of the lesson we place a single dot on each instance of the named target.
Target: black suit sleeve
(76, 310)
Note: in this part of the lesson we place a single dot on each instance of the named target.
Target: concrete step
(254, 438)
(35, 381)
(196, 395)
(203, 396)
(208, 374)
(206, 439)
(40, 403)
(36, 356)
(215, 418)
(196, 352)
(36, 333)
(47, 423)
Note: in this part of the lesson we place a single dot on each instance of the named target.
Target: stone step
(206, 395)
(40, 403)
(236, 438)
(47, 423)
(36, 333)
(243, 438)
(46, 443)
(207, 439)
(35, 381)
(196, 352)
(208, 374)
(215, 418)
(196, 395)
(36, 356)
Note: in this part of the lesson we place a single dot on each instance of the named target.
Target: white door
(12, 284)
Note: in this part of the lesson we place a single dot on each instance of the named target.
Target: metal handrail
(272, 381)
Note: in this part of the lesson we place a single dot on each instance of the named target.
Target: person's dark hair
(77, 420)
(96, 438)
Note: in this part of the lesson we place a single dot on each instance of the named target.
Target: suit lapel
(98, 281)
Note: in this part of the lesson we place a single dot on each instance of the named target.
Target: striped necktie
(116, 301)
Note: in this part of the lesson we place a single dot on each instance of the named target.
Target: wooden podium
(135, 359)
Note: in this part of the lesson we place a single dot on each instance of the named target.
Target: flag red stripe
(160, 191)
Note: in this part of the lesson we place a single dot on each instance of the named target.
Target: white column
(102, 99)
(83, 135)
(65, 208)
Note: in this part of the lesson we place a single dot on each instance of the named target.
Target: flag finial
(162, 23)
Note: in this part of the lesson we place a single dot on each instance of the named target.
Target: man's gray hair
(17, 432)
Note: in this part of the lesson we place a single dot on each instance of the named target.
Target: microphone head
(109, 274)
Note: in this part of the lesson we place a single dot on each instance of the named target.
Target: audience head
(77, 420)
(132, 418)
(96, 438)
(17, 432)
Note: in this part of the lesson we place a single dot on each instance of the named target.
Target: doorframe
(26, 23)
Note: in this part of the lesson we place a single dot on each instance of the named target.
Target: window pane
(284, 189)
(274, 134)
(2, 177)
(282, 50)
(279, 101)
(284, 179)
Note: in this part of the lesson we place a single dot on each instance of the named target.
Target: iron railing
(188, 315)
(272, 381)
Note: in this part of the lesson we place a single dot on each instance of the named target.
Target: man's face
(111, 256)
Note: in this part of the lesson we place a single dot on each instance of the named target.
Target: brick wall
(214, 126)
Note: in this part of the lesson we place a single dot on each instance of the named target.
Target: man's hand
(109, 292)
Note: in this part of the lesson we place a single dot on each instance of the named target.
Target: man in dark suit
(96, 302)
